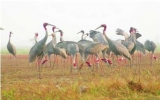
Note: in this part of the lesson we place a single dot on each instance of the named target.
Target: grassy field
(26, 50)
(141, 82)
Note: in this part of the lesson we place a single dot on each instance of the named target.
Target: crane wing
(122, 50)
(121, 32)
(138, 35)
(95, 48)
(140, 47)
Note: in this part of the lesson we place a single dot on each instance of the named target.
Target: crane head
(10, 34)
(86, 34)
(61, 32)
(54, 27)
(81, 32)
(132, 30)
(45, 24)
(36, 34)
(103, 25)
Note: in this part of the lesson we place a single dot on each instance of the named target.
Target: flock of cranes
(101, 44)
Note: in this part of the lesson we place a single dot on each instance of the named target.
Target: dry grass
(141, 82)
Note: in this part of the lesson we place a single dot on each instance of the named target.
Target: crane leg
(151, 59)
(50, 64)
(57, 60)
(10, 58)
(113, 60)
(131, 63)
(97, 62)
(38, 67)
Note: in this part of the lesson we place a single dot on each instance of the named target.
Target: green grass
(107, 83)
(26, 50)
(158, 48)
(18, 51)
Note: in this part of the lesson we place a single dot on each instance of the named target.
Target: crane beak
(51, 25)
(79, 32)
(98, 27)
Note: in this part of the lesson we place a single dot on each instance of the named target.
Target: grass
(18, 51)
(21, 50)
(108, 83)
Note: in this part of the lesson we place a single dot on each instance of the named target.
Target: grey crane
(99, 37)
(131, 41)
(11, 48)
(150, 46)
(51, 49)
(116, 47)
(38, 50)
(71, 48)
(140, 47)
(83, 42)
(130, 44)
(89, 48)
(35, 38)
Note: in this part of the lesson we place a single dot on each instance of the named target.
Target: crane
(38, 50)
(130, 44)
(51, 49)
(71, 48)
(116, 47)
(130, 41)
(150, 46)
(87, 48)
(35, 38)
(11, 48)
(99, 37)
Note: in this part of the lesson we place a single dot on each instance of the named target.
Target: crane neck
(46, 36)
(54, 41)
(85, 37)
(82, 36)
(104, 29)
(61, 37)
(9, 37)
(35, 38)
(108, 39)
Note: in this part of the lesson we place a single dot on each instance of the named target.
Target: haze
(24, 18)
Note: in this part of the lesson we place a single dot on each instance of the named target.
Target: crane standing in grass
(38, 50)
(89, 48)
(71, 48)
(31, 50)
(150, 46)
(51, 49)
(11, 48)
(99, 37)
(116, 47)
(131, 44)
